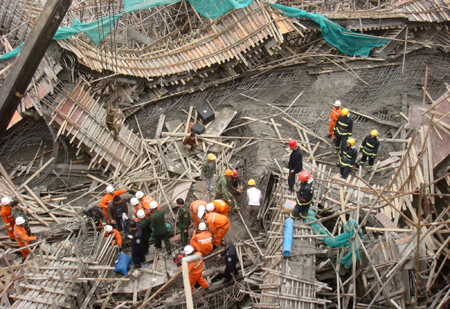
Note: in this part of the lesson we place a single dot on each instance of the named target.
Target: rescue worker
(234, 183)
(118, 214)
(222, 190)
(190, 143)
(208, 171)
(295, 164)
(229, 252)
(110, 193)
(159, 228)
(254, 201)
(194, 208)
(202, 239)
(117, 238)
(21, 237)
(195, 268)
(184, 221)
(96, 214)
(335, 112)
(17, 211)
(145, 223)
(218, 206)
(7, 217)
(136, 243)
(218, 225)
(138, 206)
(145, 200)
(369, 148)
(343, 130)
(304, 196)
(347, 158)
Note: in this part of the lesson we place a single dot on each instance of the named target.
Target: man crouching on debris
(136, 241)
(195, 268)
(96, 214)
(304, 196)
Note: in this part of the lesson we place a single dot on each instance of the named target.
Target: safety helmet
(153, 204)
(188, 249)
(251, 182)
(201, 208)
(304, 176)
(139, 194)
(202, 226)
(211, 156)
(345, 112)
(134, 201)
(337, 103)
(352, 141)
(6, 200)
(20, 221)
(292, 143)
(108, 229)
(210, 207)
(201, 211)
(140, 213)
(228, 172)
(374, 133)
(235, 173)
(109, 189)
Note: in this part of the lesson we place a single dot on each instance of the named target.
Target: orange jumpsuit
(117, 238)
(22, 238)
(194, 209)
(107, 199)
(333, 118)
(221, 207)
(195, 273)
(202, 242)
(218, 225)
(9, 220)
(145, 204)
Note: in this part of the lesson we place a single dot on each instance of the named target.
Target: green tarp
(137, 5)
(214, 8)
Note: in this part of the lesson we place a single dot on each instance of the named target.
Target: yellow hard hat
(228, 172)
(211, 156)
(251, 182)
(374, 132)
(345, 112)
(352, 141)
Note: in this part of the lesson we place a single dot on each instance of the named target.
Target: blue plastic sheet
(123, 263)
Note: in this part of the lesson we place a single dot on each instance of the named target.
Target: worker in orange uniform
(202, 239)
(218, 225)
(110, 193)
(195, 268)
(145, 200)
(335, 112)
(7, 217)
(138, 206)
(117, 238)
(194, 208)
(218, 206)
(22, 237)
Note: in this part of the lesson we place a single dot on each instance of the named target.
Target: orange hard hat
(292, 143)
(235, 174)
(228, 172)
(304, 176)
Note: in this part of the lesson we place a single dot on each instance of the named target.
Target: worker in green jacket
(146, 230)
(208, 171)
(184, 220)
(158, 224)
(222, 190)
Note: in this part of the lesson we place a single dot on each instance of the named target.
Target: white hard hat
(153, 204)
(140, 213)
(201, 208)
(337, 103)
(134, 201)
(139, 194)
(202, 226)
(108, 229)
(6, 200)
(109, 189)
(210, 207)
(20, 220)
(188, 249)
(200, 213)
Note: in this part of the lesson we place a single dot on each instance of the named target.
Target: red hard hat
(292, 143)
(235, 174)
(304, 176)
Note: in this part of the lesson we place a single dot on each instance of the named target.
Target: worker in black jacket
(229, 252)
(304, 196)
(369, 148)
(96, 214)
(295, 164)
(342, 130)
(136, 241)
(347, 158)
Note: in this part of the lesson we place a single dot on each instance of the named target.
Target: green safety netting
(344, 239)
(213, 9)
(348, 42)
(137, 5)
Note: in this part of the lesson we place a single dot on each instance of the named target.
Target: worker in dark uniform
(229, 252)
(343, 130)
(96, 214)
(184, 220)
(347, 158)
(145, 228)
(369, 148)
(304, 196)
(295, 164)
(136, 241)
(158, 224)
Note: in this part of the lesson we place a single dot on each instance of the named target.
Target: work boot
(329, 135)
